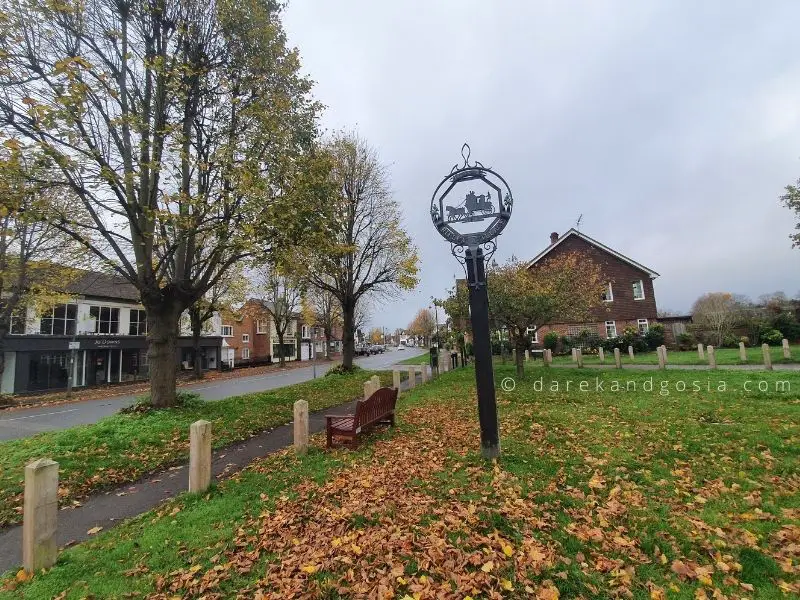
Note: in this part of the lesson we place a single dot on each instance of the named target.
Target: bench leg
(391, 420)
(330, 438)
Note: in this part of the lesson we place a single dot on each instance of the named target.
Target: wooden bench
(378, 408)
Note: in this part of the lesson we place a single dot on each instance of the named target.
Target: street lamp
(471, 226)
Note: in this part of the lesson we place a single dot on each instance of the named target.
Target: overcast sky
(672, 126)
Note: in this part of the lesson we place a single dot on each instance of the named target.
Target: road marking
(58, 412)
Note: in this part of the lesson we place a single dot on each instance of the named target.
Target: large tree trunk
(521, 344)
(162, 336)
(197, 329)
(348, 335)
(281, 350)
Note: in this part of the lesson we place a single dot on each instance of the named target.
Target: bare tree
(370, 255)
(718, 311)
(282, 294)
(177, 124)
(322, 309)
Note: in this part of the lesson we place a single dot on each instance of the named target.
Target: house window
(59, 320)
(643, 326)
(106, 319)
(245, 338)
(261, 327)
(227, 330)
(304, 332)
(138, 324)
(611, 329)
(245, 353)
(534, 335)
(638, 290)
(608, 295)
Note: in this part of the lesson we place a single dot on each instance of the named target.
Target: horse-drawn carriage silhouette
(482, 205)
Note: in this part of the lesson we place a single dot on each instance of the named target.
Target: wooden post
(786, 352)
(579, 356)
(424, 370)
(301, 427)
(376, 383)
(40, 515)
(664, 352)
(527, 356)
(574, 355)
(712, 358)
(368, 388)
(412, 377)
(396, 380)
(617, 358)
(767, 357)
(661, 363)
(199, 456)
(742, 352)
(700, 354)
(547, 357)
(601, 355)
(630, 352)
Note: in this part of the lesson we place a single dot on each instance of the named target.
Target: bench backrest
(377, 406)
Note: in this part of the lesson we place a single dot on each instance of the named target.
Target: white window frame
(245, 353)
(304, 333)
(639, 323)
(261, 327)
(229, 329)
(609, 293)
(611, 326)
(245, 338)
(535, 338)
(641, 285)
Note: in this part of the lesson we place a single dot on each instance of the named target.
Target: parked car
(363, 350)
(377, 349)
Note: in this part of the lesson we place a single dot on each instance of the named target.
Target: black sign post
(472, 240)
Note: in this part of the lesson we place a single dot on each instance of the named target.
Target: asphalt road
(27, 422)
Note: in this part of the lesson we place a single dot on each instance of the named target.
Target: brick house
(629, 300)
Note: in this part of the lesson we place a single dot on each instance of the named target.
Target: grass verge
(122, 448)
(725, 356)
(422, 359)
(643, 492)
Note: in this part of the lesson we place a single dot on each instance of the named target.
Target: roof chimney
(553, 237)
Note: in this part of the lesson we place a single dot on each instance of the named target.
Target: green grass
(637, 477)
(725, 356)
(422, 359)
(123, 447)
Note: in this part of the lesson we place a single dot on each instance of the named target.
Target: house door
(304, 352)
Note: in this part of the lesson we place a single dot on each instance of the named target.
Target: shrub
(468, 348)
(788, 325)
(654, 336)
(565, 344)
(745, 340)
(686, 341)
(773, 337)
(550, 340)
(341, 370)
(730, 341)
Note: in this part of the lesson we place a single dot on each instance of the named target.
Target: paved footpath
(30, 421)
(114, 506)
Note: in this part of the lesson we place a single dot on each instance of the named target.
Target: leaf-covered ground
(598, 494)
(124, 447)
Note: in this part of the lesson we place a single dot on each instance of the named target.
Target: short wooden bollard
(712, 358)
(199, 456)
(376, 383)
(742, 352)
(664, 351)
(765, 351)
(574, 355)
(368, 389)
(700, 354)
(547, 357)
(630, 352)
(786, 352)
(412, 377)
(396, 380)
(527, 356)
(601, 355)
(301, 427)
(424, 371)
(617, 358)
(661, 363)
(579, 357)
(40, 515)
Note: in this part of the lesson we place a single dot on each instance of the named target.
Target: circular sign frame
(472, 208)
